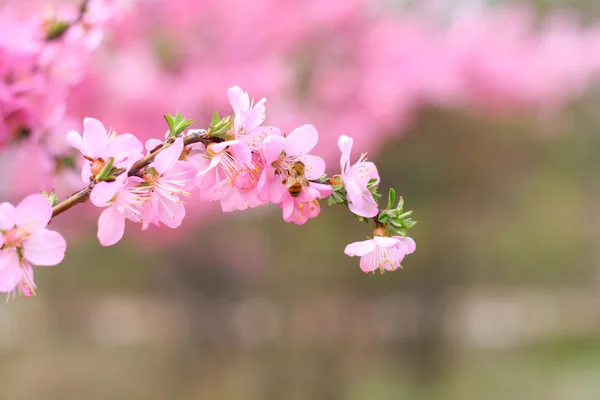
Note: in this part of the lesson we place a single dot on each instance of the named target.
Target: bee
(295, 179)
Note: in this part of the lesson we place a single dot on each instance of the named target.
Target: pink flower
(356, 179)
(168, 178)
(385, 253)
(97, 146)
(124, 199)
(281, 153)
(26, 241)
(301, 208)
(248, 117)
(229, 176)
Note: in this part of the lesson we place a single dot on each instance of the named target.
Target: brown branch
(84, 194)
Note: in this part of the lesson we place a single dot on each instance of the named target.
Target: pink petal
(324, 190)
(363, 172)
(315, 166)
(181, 170)
(287, 206)
(86, 172)
(34, 213)
(45, 248)
(242, 153)
(360, 248)
(277, 192)
(75, 140)
(151, 144)
(111, 226)
(301, 140)
(10, 270)
(383, 241)
(104, 192)
(233, 200)
(170, 213)
(8, 216)
(353, 192)
(168, 157)
(256, 116)
(239, 100)
(95, 137)
(122, 145)
(272, 148)
(219, 147)
(407, 244)
(368, 262)
(367, 209)
(345, 145)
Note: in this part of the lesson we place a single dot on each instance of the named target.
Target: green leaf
(51, 197)
(177, 124)
(383, 218)
(106, 171)
(391, 198)
(215, 119)
(400, 203)
(56, 30)
(396, 223)
(405, 215)
(220, 126)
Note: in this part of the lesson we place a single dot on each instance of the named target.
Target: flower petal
(34, 213)
(407, 244)
(367, 209)
(122, 145)
(151, 144)
(75, 140)
(45, 248)
(360, 248)
(256, 115)
(168, 157)
(239, 100)
(10, 271)
(345, 145)
(95, 137)
(353, 192)
(8, 216)
(315, 166)
(383, 241)
(301, 140)
(104, 192)
(111, 226)
(272, 148)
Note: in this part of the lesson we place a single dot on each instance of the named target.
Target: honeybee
(295, 180)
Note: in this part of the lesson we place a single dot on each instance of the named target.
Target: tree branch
(84, 194)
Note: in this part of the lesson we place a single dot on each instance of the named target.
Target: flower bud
(97, 166)
(379, 231)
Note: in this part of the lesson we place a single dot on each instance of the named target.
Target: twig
(84, 194)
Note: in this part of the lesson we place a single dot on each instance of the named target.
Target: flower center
(14, 237)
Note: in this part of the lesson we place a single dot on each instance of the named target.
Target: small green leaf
(106, 171)
(215, 119)
(56, 29)
(396, 223)
(177, 124)
(391, 198)
(51, 197)
(405, 215)
(400, 203)
(383, 218)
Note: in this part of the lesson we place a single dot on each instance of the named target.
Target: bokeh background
(484, 117)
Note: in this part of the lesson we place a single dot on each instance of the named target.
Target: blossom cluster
(43, 58)
(238, 161)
